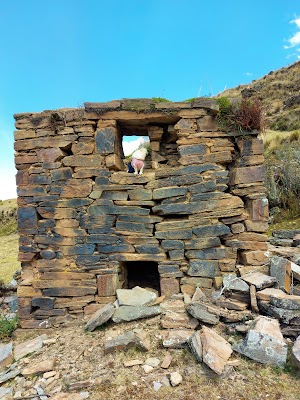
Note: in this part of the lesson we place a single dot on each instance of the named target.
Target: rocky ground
(200, 345)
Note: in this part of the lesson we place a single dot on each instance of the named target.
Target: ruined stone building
(87, 227)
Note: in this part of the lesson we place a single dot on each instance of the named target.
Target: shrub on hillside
(283, 176)
(241, 115)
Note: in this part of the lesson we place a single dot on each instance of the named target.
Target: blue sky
(61, 53)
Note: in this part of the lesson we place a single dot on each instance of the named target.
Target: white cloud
(295, 39)
(129, 147)
(248, 73)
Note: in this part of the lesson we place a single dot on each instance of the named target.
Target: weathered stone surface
(175, 378)
(211, 230)
(135, 297)
(100, 317)
(266, 293)
(253, 258)
(40, 367)
(247, 175)
(232, 282)
(166, 362)
(90, 161)
(107, 284)
(164, 193)
(130, 313)
(27, 217)
(216, 350)
(280, 268)
(169, 286)
(204, 268)
(200, 312)
(124, 342)
(76, 188)
(176, 339)
(288, 302)
(264, 343)
(259, 280)
(6, 355)
(296, 352)
(195, 345)
(197, 282)
(178, 320)
(30, 346)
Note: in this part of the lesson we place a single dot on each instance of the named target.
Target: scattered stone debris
(264, 342)
(175, 378)
(100, 317)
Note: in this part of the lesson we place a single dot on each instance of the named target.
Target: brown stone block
(256, 226)
(31, 144)
(197, 282)
(246, 236)
(67, 223)
(251, 160)
(21, 159)
(109, 105)
(70, 232)
(83, 147)
(207, 124)
(22, 177)
(56, 213)
(105, 299)
(192, 113)
(107, 284)
(155, 146)
(25, 256)
(90, 161)
(86, 172)
(67, 276)
(169, 286)
(24, 134)
(247, 175)
(35, 324)
(50, 155)
(77, 188)
(237, 228)
(28, 291)
(253, 258)
(249, 147)
(114, 162)
(50, 265)
(258, 209)
(69, 291)
(246, 245)
(58, 283)
(246, 189)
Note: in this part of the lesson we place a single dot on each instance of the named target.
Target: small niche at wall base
(140, 273)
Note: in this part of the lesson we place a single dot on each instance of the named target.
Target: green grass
(8, 217)
(9, 263)
(7, 326)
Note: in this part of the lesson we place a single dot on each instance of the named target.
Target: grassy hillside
(279, 92)
(8, 240)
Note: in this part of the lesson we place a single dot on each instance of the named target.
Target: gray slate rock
(6, 355)
(200, 312)
(100, 317)
(195, 345)
(264, 343)
(130, 313)
(30, 346)
(232, 282)
(259, 280)
(135, 297)
(6, 391)
(124, 342)
(296, 352)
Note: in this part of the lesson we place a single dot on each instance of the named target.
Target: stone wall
(198, 212)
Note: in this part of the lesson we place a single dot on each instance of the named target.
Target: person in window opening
(137, 164)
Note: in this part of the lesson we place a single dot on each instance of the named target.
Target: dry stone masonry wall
(87, 227)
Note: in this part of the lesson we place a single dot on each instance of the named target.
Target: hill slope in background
(279, 92)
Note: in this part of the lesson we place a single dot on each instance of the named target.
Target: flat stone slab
(41, 367)
(259, 280)
(6, 393)
(6, 355)
(288, 302)
(215, 350)
(296, 352)
(28, 347)
(176, 338)
(264, 343)
(200, 312)
(178, 320)
(124, 342)
(135, 297)
(195, 345)
(265, 294)
(100, 317)
(130, 313)
(232, 282)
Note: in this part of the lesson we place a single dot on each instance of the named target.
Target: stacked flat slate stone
(198, 211)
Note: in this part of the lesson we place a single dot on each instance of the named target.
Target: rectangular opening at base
(140, 273)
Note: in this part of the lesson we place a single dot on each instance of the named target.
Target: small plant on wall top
(240, 115)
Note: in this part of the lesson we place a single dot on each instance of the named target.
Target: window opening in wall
(140, 273)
